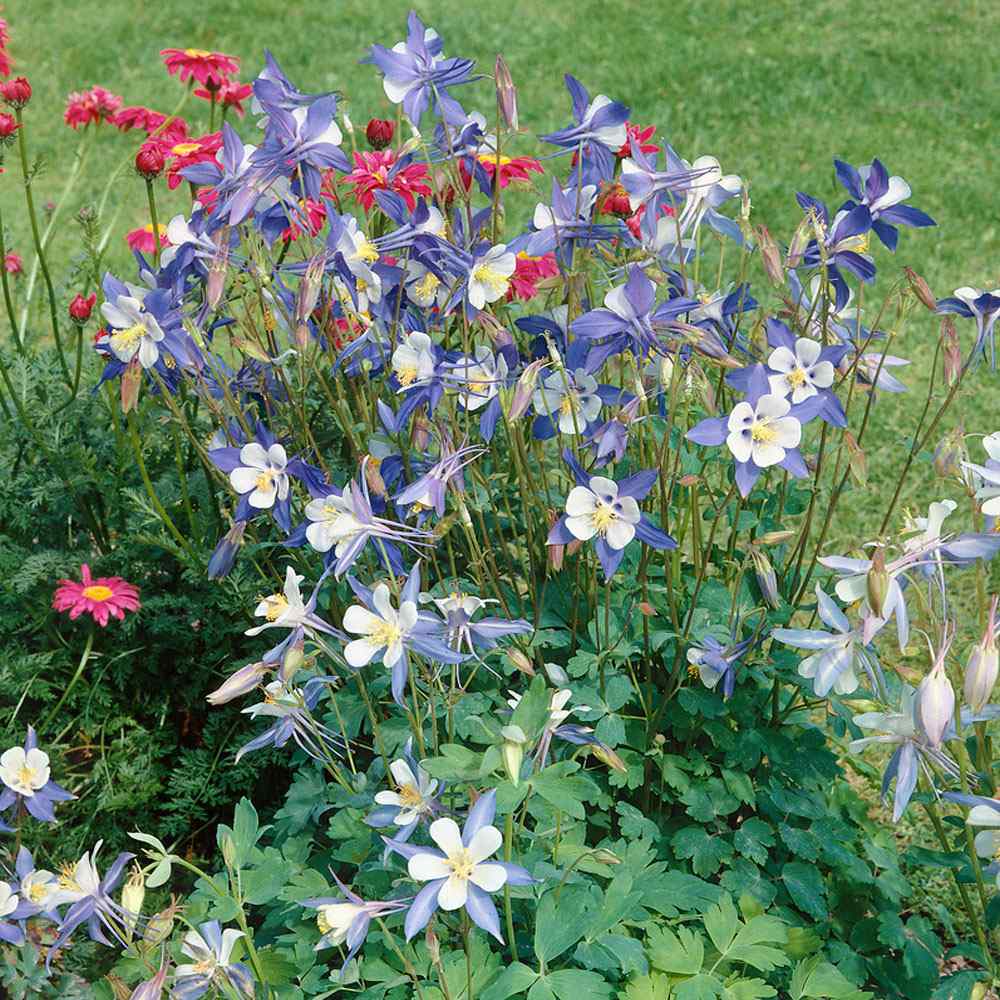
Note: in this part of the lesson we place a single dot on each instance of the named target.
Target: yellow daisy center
(491, 159)
(185, 148)
(197, 53)
(98, 592)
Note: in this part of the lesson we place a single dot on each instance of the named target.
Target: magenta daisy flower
(100, 598)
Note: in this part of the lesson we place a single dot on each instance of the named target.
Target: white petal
(740, 444)
(253, 454)
(243, 479)
(446, 834)
(619, 534)
(453, 894)
(581, 527)
(424, 867)
(765, 455)
(402, 774)
(772, 406)
(782, 360)
(486, 842)
(807, 351)
(359, 652)
(489, 878)
(360, 621)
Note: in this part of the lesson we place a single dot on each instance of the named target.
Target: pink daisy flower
(141, 239)
(91, 107)
(381, 171)
(208, 68)
(229, 94)
(100, 598)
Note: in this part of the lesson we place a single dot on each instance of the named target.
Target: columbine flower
(100, 598)
(987, 477)
(458, 874)
(567, 219)
(489, 275)
(556, 724)
(291, 707)
(415, 74)
(459, 610)
(983, 665)
(288, 610)
(429, 491)
(608, 512)
(12, 908)
(208, 68)
(567, 401)
(91, 900)
(935, 699)
(390, 633)
(832, 666)
(26, 780)
(413, 799)
(345, 919)
(38, 888)
(984, 308)
(801, 372)
(134, 331)
(713, 662)
(211, 948)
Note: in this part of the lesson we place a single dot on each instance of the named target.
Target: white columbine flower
(206, 959)
(414, 795)
(413, 360)
(24, 772)
(481, 378)
(384, 628)
(762, 434)
(262, 474)
(134, 331)
(8, 900)
(333, 522)
(597, 509)
(334, 921)
(41, 888)
(800, 372)
(570, 399)
(460, 864)
(284, 610)
(489, 278)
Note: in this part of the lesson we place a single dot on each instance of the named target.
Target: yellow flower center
(491, 159)
(27, 776)
(410, 796)
(761, 430)
(489, 276)
(569, 405)
(276, 607)
(37, 892)
(365, 251)
(67, 878)
(125, 340)
(603, 516)
(479, 388)
(168, 361)
(322, 922)
(197, 53)
(160, 228)
(407, 374)
(98, 592)
(185, 149)
(427, 286)
(385, 634)
(265, 480)
(461, 864)
(796, 378)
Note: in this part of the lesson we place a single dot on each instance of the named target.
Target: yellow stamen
(365, 251)
(603, 517)
(410, 796)
(127, 339)
(265, 481)
(490, 277)
(461, 864)
(407, 375)
(385, 634)
(276, 607)
(98, 592)
(197, 53)
(427, 286)
(761, 430)
(796, 378)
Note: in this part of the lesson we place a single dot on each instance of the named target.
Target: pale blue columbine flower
(345, 919)
(39, 889)
(464, 631)
(210, 949)
(568, 218)
(289, 611)
(607, 512)
(717, 663)
(871, 185)
(291, 708)
(391, 634)
(984, 308)
(987, 476)
(458, 874)
(26, 781)
(428, 492)
(13, 910)
(415, 797)
(838, 653)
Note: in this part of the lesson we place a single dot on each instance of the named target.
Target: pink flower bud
(81, 308)
(524, 390)
(983, 666)
(238, 684)
(150, 160)
(16, 92)
(506, 93)
(936, 700)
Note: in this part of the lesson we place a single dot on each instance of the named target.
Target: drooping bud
(160, 925)
(16, 93)
(524, 390)
(951, 453)
(767, 579)
(877, 583)
(506, 93)
(131, 384)
(857, 460)
(935, 700)
(983, 665)
(607, 756)
(771, 256)
(800, 240)
(152, 989)
(224, 556)
(150, 160)
(776, 537)
(133, 893)
(512, 751)
(921, 289)
(521, 662)
(379, 133)
(292, 661)
(307, 297)
(556, 674)
(238, 684)
(81, 308)
(433, 945)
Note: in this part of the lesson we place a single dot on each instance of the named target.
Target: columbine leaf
(681, 953)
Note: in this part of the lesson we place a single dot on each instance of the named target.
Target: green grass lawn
(774, 89)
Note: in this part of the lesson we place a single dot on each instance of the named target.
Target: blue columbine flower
(458, 874)
(871, 185)
(26, 781)
(416, 74)
(607, 512)
(211, 948)
(717, 663)
(984, 308)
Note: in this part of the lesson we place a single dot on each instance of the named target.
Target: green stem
(73, 681)
(151, 198)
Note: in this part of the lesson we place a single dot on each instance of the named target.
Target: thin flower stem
(151, 199)
(84, 658)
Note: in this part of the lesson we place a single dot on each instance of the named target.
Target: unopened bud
(379, 133)
(605, 857)
(159, 926)
(877, 584)
(935, 701)
(215, 283)
(776, 537)
(521, 662)
(556, 674)
(771, 256)
(131, 384)
(921, 289)
(228, 851)
(512, 751)
(983, 666)
(133, 893)
(292, 661)
(951, 351)
(607, 756)
(800, 240)
(767, 579)
(951, 453)
(524, 390)
(857, 460)
(506, 93)
(433, 945)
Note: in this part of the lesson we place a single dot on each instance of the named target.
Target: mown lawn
(774, 89)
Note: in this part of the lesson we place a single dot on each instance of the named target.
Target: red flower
(614, 201)
(379, 171)
(148, 120)
(100, 598)
(642, 135)
(91, 107)
(229, 93)
(516, 168)
(8, 126)
(4, 57)
(12, 263)
(190, 151)
(379, 133)
(315, 217)
(151, 159)
(142, 239)
(208, 68)
(16, 92)
(528, 272)
(81, 308)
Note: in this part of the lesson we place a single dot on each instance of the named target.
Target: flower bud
(215, 283)
(921, 289)
(520, 662)
(16, 93)
(935, 701)
(224, 556)
(556, 674)
(857, 460)
(8, 126)
(379, 133)
(983, 665)
(524, 390)
(607, 756)
(238, 684)
(512, 751)
(775, 537)
(433, 945)
(800, 240)
(150, 160)
(950, 454)
(771, 256)
(160, 925)
(228, 851)
(767, 579)
(506, 93)
(133, 893)
(307, 297)
(877, 584)
(292, 661)
(605, 857)
(131, 384)
(951, 351)
(81, 308)
(152, 989)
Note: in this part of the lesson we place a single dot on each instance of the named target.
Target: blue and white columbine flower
(984, 308)
(25, 780)
(210, 949)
